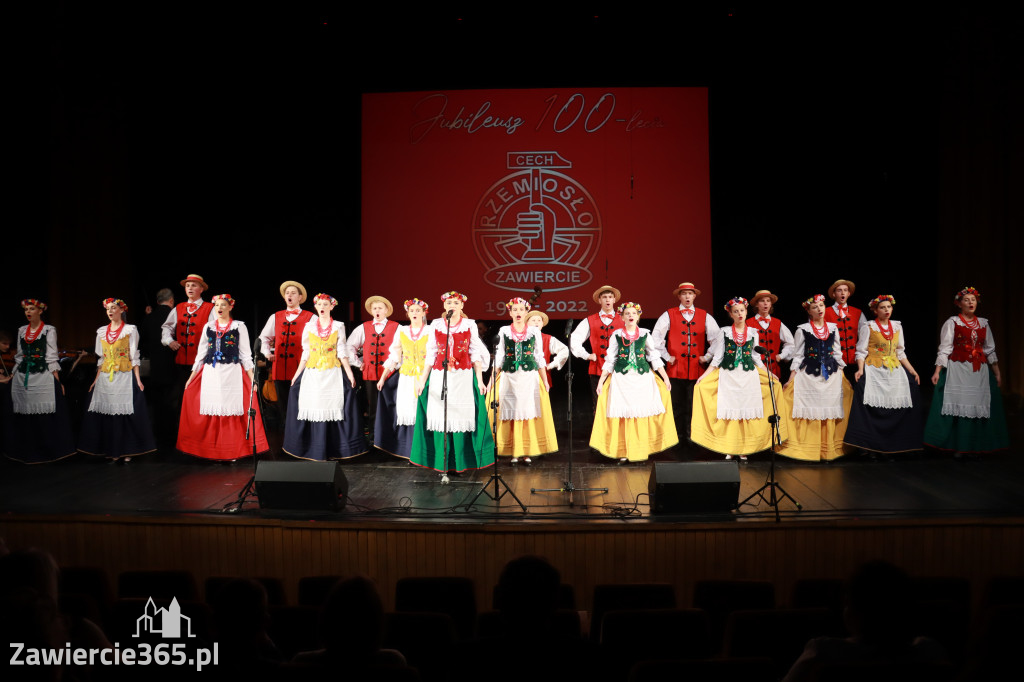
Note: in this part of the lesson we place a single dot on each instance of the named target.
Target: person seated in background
(879, 614)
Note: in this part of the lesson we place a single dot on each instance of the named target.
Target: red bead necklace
(631, 337)
(113, 335)
(823, 334)
(31, 336)
(886, 333)
(739, 341)
(519, 336)
(972, 324)
(221, 331)
(324, 333)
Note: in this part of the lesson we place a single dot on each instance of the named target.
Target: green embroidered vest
(632, 355)
(519, 355)
(737, 355)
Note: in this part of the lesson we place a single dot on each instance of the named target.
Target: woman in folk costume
(556, 353)
(967, 409)
(887, 414)
(818, 393)
(38, 423)
(525, 426)
(469, 441)
(396, 404)
(214, 409)
(731, 401)
(634, 410)
(116, 425)
(324, 419)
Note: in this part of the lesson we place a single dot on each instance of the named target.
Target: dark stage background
(156, 139)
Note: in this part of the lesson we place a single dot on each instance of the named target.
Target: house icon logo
(167, 622)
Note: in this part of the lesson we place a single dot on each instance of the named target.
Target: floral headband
(453, 294)
(817, 298)
(630, 304)
(873, 303)
(225, 297)
(415, 301)
(120, 304)
(325, 297)
(516, 299)
(963, 292)
(733, 301)
(33, 301)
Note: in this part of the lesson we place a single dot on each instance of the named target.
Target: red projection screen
(496, 192)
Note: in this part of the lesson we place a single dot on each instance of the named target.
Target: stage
(931, 514)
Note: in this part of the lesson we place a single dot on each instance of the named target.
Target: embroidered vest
(116, 356)
(967, 344)
(323, 353)
(685, 341)
(632, 355)
(375, 348)
(33, 356)
(414, 353)
(223, 349)
(599, 335)
(818, 359)
(188, 329)
(738, 356)
(847, 331)
(519, 355)
(770, 339)
(288, 343)
(882, 351)
(458, 350)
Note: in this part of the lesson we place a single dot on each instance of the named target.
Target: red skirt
(219, 438)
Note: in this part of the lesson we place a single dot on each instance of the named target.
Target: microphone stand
(495, 476)
(776, 492)
(444, 390)
(567, 485)
(249, 489)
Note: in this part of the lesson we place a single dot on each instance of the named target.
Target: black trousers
(682, 406)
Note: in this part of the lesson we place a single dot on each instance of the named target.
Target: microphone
(761, 349)
(568, 328)
(448, 315)
(538, 290)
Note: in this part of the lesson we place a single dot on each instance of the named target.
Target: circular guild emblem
(536, 226)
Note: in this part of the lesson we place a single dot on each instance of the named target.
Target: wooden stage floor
(924, 485)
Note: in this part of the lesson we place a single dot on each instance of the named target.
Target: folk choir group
(850, 386)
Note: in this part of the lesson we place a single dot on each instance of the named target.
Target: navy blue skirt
(885, 430)
(321, 441)
(118, 435)
(37, 438)
(387, 434)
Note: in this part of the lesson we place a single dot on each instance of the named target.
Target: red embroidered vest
(458, 350)
(375, 348)
(187, 330)
(967, 345)
(288, 343)
(686, 342)
(599, 335)
(770, 339)
(847, 331)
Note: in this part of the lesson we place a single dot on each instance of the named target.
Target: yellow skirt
(815, 440)
(633, 438)
(526, 437)
(733, 436)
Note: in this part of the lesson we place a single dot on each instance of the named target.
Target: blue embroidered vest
(223, 349)
(818, 359)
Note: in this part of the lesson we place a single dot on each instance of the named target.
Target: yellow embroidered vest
(414, 353)
(323, 353)
(882, 351)
(116, 357)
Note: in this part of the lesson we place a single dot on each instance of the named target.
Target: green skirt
(466, 450)
(964, 434)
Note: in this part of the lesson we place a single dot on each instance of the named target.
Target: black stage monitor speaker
(678, 487)
(301, 485)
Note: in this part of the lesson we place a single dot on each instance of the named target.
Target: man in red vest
(281, 341)
(597, 329)
(184, 325)
(368, 346)
(685, 335)
(851, 322)
(774, 336)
